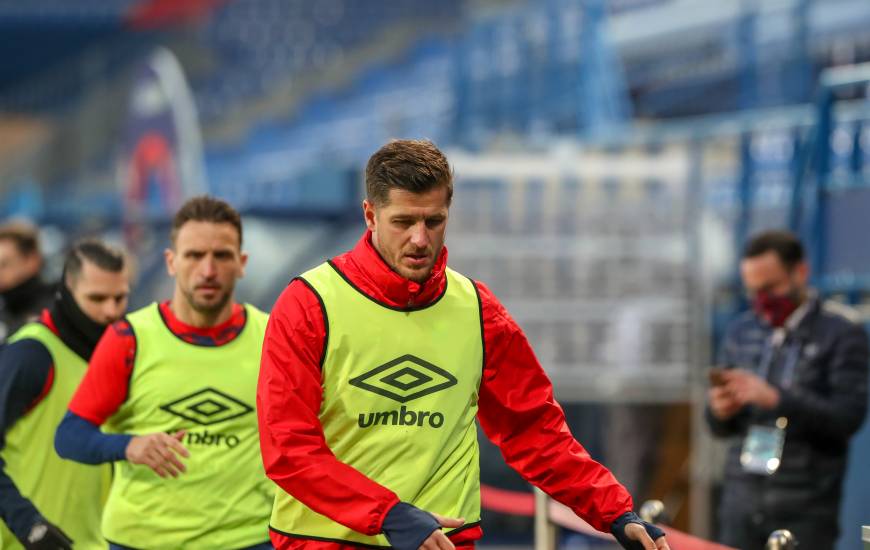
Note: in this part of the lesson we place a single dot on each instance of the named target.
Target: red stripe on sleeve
(49, 382)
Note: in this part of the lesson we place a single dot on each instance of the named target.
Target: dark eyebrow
(101, 295)
(403, 217)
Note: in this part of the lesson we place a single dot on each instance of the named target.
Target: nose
(419, 235)
(208, 268)
(113, 310)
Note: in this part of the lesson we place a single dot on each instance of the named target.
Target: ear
(33, 262)
(243, 258)
(369, 215)
(69, 282)
(169, 256)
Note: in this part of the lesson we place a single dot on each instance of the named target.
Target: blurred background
(611, 157)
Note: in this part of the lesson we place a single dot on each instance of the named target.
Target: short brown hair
(95, 251)
(417, 166)
(206, 209)
(784, 244)
(23, 235)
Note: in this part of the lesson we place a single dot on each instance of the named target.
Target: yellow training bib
(223, 499)
(399, 401)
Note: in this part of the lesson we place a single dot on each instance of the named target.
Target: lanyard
(792, 350)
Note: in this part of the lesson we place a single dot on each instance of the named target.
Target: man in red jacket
(374, 367)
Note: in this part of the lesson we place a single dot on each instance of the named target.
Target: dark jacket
(825, 404)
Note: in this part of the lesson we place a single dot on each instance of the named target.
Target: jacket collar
(802, 320)
(364, 268)
(810, 304)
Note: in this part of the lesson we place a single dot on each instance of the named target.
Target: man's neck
(190, 316)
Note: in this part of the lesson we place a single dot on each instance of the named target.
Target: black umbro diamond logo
(207, 406)
(404, 379)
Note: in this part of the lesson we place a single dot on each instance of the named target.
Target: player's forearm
(82, 441)
(297, 458)
(540, 447)
(329, 486)
(17, 512)
(582, 484)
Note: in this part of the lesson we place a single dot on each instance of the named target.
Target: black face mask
(22, 297)
(77, 330)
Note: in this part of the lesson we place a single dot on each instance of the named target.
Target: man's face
(100, 294)
(15, 267)
(767, 273)
(206, 261)
(408, 231)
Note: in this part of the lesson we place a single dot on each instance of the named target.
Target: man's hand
(410, 528)
(438, 540)
(159, 452)
(634, 534)
(722, 403)
(45, 536)
(747, 388)
(637, 532)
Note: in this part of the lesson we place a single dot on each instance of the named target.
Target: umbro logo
(404, 379)
(207, 406)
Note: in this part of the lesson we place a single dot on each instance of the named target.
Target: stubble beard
(208, 308)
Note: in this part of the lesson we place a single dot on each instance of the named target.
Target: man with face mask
(46, 501)
(790, 392)
(23, 294)
(173, 386)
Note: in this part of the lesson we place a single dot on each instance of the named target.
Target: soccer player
(174, 386)
(47, 502)
(374, 368)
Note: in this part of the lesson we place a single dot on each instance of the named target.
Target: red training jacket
(517, 410)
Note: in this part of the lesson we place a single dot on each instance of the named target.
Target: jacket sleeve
(104, 387)
(519, 414)
(289, 394)
(79, 440)
(839, 412)
(26, 375)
